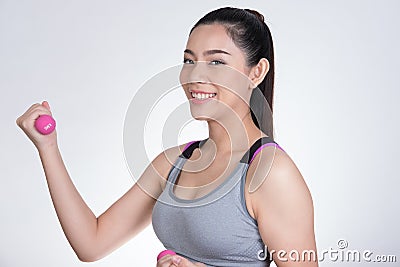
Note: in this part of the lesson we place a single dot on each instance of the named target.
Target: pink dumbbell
(164, 253)
(45, 124)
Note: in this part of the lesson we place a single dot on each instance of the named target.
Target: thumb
(46, 104)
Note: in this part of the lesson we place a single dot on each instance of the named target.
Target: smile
(202, 96)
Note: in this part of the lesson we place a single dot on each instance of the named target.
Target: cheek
(234, 88)
(232, 97)
(230, 79)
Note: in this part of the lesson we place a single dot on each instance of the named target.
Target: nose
(195, 72)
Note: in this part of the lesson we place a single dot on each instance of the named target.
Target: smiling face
(214, 75)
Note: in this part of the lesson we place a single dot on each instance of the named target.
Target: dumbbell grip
(164, 253)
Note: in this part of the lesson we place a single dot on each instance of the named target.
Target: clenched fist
(27, 123)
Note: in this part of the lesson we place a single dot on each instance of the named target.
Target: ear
(258, 72)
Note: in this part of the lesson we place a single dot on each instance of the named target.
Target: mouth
(202, 95)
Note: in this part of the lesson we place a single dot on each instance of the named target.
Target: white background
(335, 112)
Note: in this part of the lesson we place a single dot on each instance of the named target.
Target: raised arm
(93, 238)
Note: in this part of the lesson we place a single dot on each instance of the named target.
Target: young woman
(239, 191)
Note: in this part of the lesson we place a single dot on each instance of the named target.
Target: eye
(216, 62)
(187, 61)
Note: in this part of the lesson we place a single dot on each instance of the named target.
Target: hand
(27, 121)
(176, 260)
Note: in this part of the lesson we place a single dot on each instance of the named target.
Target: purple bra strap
(188, 144)
(261, 147)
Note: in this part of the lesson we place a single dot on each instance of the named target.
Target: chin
(201, 116)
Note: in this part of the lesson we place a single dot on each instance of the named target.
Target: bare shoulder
(162, 164)
(167, 158)
(276, 180)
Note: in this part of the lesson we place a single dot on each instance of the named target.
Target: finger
(46, 104)
(28, 120)
(182, 262)
(45, 107)
(165, 261)
(33, 107)
(187, 263)
(39, 110)
(164, 253)
(29, 111)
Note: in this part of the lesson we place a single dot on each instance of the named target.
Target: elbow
(88, 256)
(84, 259)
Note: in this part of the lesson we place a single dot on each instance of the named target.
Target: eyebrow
(208, 52)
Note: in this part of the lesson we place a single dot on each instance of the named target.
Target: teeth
(202, 96)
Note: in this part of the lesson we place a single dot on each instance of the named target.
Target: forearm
(77, 220)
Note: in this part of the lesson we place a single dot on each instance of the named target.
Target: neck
(237, 134)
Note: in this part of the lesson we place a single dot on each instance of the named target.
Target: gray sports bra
(215, 229)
